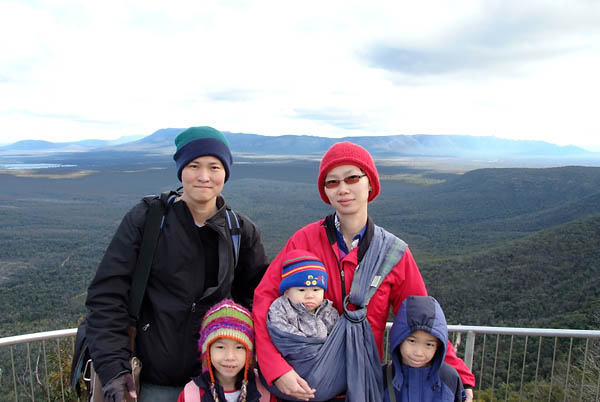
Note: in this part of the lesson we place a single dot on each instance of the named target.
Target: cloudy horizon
(508, 69)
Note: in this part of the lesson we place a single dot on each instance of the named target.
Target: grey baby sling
(347, 360)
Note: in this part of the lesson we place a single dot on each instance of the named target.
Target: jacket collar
(216, 222)
(330, 229)
(203, 382)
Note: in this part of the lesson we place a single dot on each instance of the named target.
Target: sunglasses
(333, 183)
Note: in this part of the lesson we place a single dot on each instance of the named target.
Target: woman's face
(348, 199)
(203, 180)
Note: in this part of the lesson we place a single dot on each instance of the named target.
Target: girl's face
(348, 199)
(203, 180)
(228, 358)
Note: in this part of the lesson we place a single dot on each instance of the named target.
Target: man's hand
(469, 393)
(293, 385)
(120, 388)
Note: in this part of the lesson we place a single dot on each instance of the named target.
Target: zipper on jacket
(193, 307)
(342, 275)
(332, 240)
(145, 327)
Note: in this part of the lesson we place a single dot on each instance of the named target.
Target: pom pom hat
(195, 142)
(347, 153)
(226, 319)
(302, 269)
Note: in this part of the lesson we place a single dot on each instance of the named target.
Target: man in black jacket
(193, 268)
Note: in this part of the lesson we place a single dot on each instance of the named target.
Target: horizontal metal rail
(38, 336)
(561, 333)
(510, 363)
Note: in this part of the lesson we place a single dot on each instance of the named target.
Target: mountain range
(445, 146)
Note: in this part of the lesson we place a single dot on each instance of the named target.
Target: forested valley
(500, 247)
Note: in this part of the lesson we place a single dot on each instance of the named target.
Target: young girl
(226, 345)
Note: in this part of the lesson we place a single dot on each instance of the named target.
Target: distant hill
(550, 279)
(459, 212)
(393, 145)
(501, 193)
(448, 146)
(74, 146)
(32, 145)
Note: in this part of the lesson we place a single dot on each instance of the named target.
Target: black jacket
(175, 299)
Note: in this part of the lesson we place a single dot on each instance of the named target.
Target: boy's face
(418, 349)
(311, 297)
(228, 358)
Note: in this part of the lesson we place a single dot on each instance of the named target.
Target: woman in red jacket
(348, 181)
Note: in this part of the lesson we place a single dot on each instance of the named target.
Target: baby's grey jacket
(298, 320)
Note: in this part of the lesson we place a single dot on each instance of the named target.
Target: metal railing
(39, 366)
(525, 364)
(572, 373)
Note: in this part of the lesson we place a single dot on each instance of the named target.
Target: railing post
(470, 349)
(14, 373)
(585, 357)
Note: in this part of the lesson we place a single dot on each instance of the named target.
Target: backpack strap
(192, 393)
(389, 374)
(265, 395)
(234, 229)
(154, 222)
(152, 227)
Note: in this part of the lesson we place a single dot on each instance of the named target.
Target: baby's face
(418, 349)
(311, 297)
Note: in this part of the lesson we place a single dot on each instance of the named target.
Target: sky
(73, 70)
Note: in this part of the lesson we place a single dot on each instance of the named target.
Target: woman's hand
(469, 393)
(293, 385)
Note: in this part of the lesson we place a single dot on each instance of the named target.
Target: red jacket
(320, 239)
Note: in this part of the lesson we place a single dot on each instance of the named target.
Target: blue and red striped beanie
(301, 268)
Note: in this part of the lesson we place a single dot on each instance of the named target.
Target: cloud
(519, 69)
(348, 120)
(73, 118)
(231, 95)
(501, 37)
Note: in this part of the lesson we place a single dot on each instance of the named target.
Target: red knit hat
(347, 153)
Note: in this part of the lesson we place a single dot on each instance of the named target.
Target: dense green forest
(495, 246)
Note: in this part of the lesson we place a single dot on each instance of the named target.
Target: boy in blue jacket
(418, 340)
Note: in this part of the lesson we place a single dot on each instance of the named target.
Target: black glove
(117, 389)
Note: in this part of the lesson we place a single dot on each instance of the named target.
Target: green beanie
(194, 142)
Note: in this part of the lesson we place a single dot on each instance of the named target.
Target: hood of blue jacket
(420, 313)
